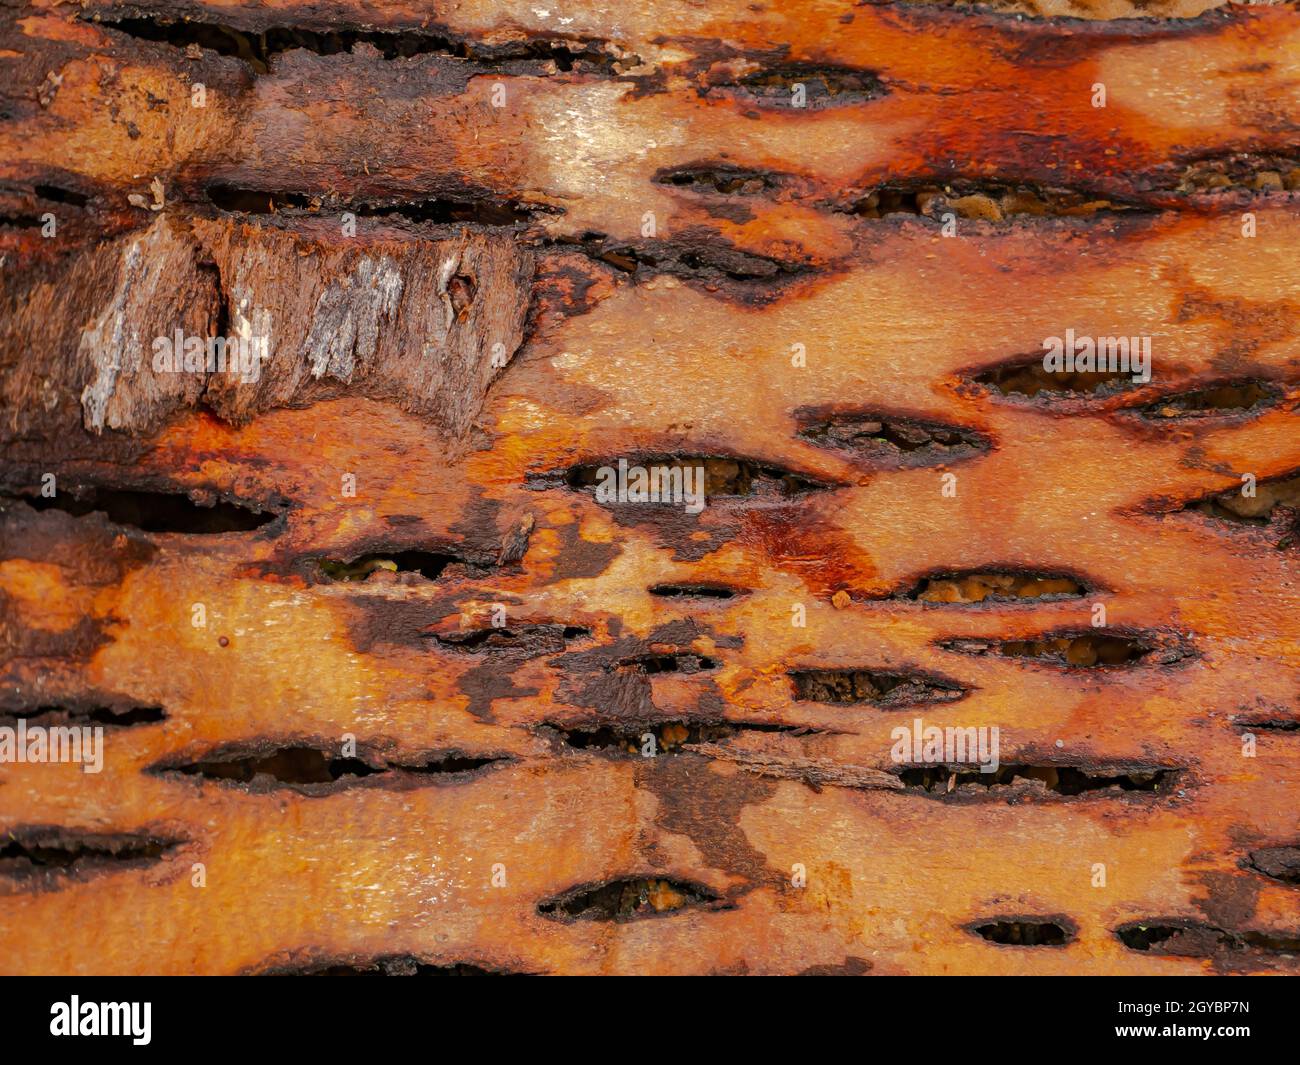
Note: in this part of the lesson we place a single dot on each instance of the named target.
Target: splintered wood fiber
(649, 488)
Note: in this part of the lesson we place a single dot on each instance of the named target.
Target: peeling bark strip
(244, 321)
(579, 490)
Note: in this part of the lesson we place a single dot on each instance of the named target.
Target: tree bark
(324, 330)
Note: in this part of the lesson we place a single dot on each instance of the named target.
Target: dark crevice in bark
(630, 898)
(883, 439)
(156, 512)
(319, 770)
(994, 586)
(1026, 931)
(1082, 649)
(1177, 937)
(655, 738)
(44, 855)
(389, 965)
(966, 779)
(537, 55)
(478, 210)
(884, 688)
(984, 200)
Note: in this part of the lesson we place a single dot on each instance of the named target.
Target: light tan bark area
(377, 668)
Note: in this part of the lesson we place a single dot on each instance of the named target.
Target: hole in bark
(1279, 863)
(484, 211)
(824, 85)
(59, 195)
(50, 853)
(982, 201)
(1181, 938)
(716, 178)
(461, 290)
(670, 737)
(1276, 503)
(882, 688)
(315, 770)
(669, 662)
(446, 212)
(710, 262)
(696, 591)
(965, 778)
(390, 965)
(1268, 724)
(978, 586)
(528, 640)
(1214, 400)
(157, 512)
(1026, 931)
(257, 48)
(892, 440)
(85, 715)
(664, 479)
(1242, 172)
(1099, 649)
(1030, 379)
(259, 201)
(428, 564)
(630, 898)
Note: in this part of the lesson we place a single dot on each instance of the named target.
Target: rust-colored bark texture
(649, 488)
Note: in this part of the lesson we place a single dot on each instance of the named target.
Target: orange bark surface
(617, 238)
